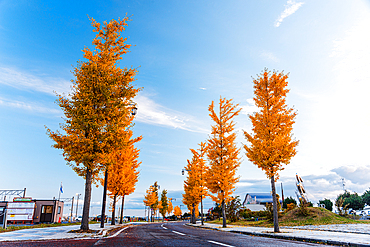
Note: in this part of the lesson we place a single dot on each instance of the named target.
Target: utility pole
(282, 195)
(78, 197)
(344, 184)
(72, 209)
(104, 199)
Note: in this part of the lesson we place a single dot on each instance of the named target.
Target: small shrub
(303, 208)
(290, 206)
(289, 200)
(269, 212)
(342, 208)
(246, 213)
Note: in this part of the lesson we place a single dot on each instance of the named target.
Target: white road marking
(179, 233)
(164, 227)
(114, 235)
(214, 242)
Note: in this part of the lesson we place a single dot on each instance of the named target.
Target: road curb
(272, 235)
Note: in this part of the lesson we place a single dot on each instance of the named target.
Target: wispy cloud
(28, 106)
(150, 112)
(153, 113)
(290, 8)
(249, 108)
(269, 56)
(26, 81)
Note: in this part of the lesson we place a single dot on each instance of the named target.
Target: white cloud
(249, 108)
(339, 132)
(290, 8)
(153, 113)
(33, 107)
(269, 56)
(149, 111)
(25, 81)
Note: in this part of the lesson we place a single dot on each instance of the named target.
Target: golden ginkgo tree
(151, 199)
(271, 142)
(222, 154)
(177, 211)
(194, 185)
(163, 204)
(170, 206)
(98, 108)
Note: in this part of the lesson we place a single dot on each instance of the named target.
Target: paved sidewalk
(343, 234)
(58, 232)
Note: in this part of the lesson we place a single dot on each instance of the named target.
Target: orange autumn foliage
(271, 141)
(222, 152)
(123, 168)
(194, 185)
(151, 197)
(177, 211)
(170, 206)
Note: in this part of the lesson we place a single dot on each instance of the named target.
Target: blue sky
(189, 53)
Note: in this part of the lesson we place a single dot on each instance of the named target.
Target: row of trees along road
(270, 145)
(219, 176)
(163, 205)
(96, 135)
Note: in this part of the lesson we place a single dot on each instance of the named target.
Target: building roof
(257, 198)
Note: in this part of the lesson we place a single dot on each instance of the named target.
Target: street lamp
(133, 109)
(183, 171)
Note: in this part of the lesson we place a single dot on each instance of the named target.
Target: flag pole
(60, 190)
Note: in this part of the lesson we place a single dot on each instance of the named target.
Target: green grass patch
(15, 227)
(316, 216)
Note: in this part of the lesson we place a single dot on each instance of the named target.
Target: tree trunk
(123, 201)
(223, 213)
(87, 199)
(104, 199)
(275, 205)
(113, 222)
(193, 215)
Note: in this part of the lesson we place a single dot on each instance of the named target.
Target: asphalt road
(168, 234)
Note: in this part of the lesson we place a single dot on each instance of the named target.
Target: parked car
(98, 218)
(79, 218)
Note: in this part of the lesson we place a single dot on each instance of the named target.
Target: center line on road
(214, 242)
(179, 233)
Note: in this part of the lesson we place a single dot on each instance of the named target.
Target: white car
(79, 219)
